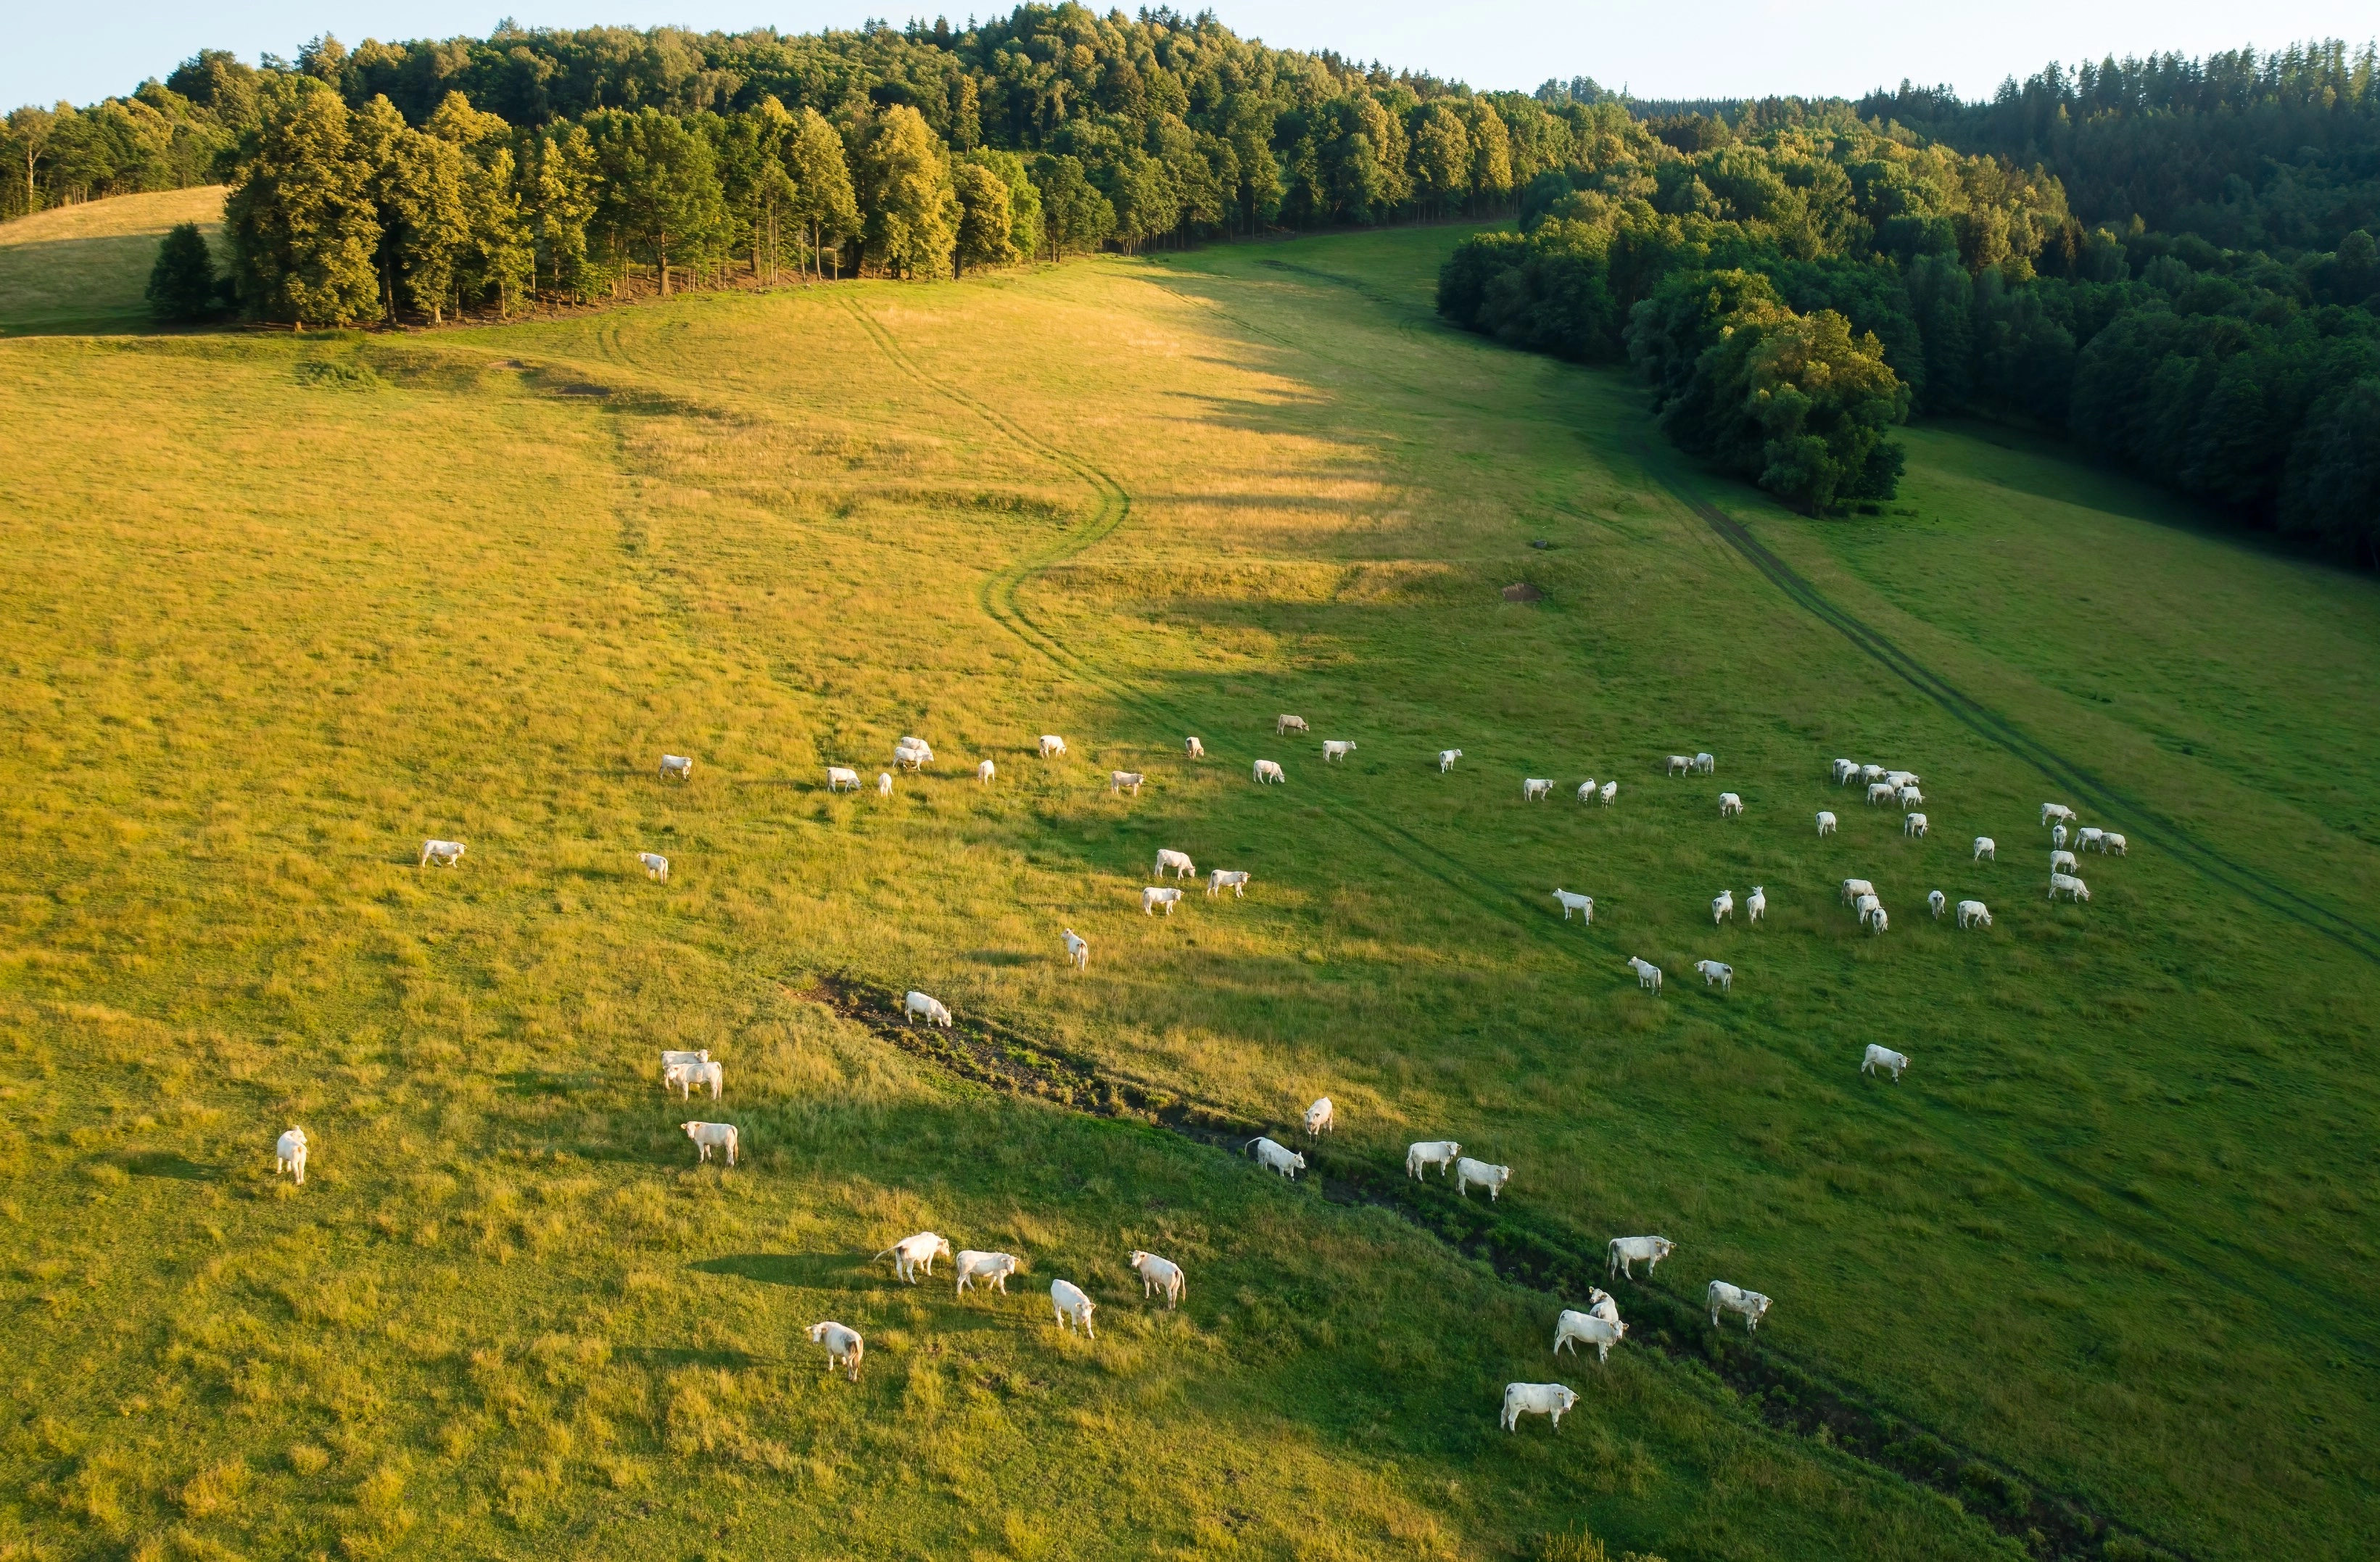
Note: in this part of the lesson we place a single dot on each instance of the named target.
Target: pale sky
(1701, 48)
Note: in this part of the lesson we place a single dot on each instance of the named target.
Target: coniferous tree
(182, 282)
(561, 180)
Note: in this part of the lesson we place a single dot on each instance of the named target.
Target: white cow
(2091, 839)
(2071, 886)
(1869, 774)
(1714, 971)
(2061, 861)
(837, 778)
(1681, 763)
(1533, 788)
(1825, 823)
(1647, 974)
(1178, 861)
(1079, 950)
(1587, 790)
(1439, 1153)
(1755, 905)
(1321, 1116)
(1277, 1158)
(914, 752)
(1266, 771)
(1722, 905)
(1913, 824)
(884, 784)
(2056, 812)
(445, 853)
(1192, 748)
(1986, 847)
(1901, 777)
(1610, 791)
(656, 866)
(1492, 1177)
(1883, 1057)
(1878, 921)
(1600, 1305)
(1880, 793)
(1729, 803)
(844, 1346)
(1570, 903)
(1125, 781)
(1867, 906)
(916, 1005)
(984, 772)
(1288, 724)
(669, 1058)
(1336, 748)
(1936, 903)
(1974, 913)
(1575, 1328)
(1725, 1298)
(2112, 843)
(1446, 758)
(2057, 836)
(1627, 1251)
(984, 1268)
(289, 1155)
(1844, 769)
(686, 1076)
(1053, 746)
(1854, 887)
(1155, 896)
(676, 767)
(1705, 763)
(1536, 1399)
(1073, 1306)
(1910, 797)
(710, 1136)
(1233, 879)
(1159, 1276)
(911, 1254)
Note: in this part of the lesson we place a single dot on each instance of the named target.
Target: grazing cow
(1910, 797)
(1569, 902)
(289, 1155)
(1713, 971)
(1073, 1306)
(1155, 896)
(911, 1254)
(1276, 1157)
(916, 1005)
(1336, 748)
(1705, 763)
(1725, 1298)
(1647, 974)
(1627, 1251)
(1574, 1328)
(1178, 861)
(1288, 724)
(1610, 791)
(1844, 770)
(1936, 903)
(1536, 1399)
(1587, 790)
(686, 1076)
(2061, 861)
(1870, 774)
(1755, 905)
(1681, 763)
(1125, 781)
(916, 753)
(1868, 905)
(984, 1268)
(445, 853)
(1722, 905)
(844, 1346)
(1439, 1153)
(1825, 823)
(1729, 803)
(1879, 792)
(1854, 887)
(1267, 771)
(2073, 888)
(1532, 788)
(670, 1058)
(1492, 1177)
(1901, 777)
(1878, 922)
(2057, 836)
(1233, 879)
(1913, 824)
(2056, 812)
(656, 866)
(1883, 1057)
(1079, 950)
(1321, 1117)
(837, 778)
(1158, 1275)
(2090, 839)
(2112, 845)
(710, 1136)
(1053, 746)
(1986, 847)
(984, 772)
(1974, 913)
(1446, 758)
(1192, 748)
(884, 784)
(676, 767)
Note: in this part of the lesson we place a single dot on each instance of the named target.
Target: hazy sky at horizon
(1718, 48)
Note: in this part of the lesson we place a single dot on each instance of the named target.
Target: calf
(289, 1155)
(1335, 748)
(1986, 847)
(656, 867)
(1178, 861)
(710, 1136)
(911, 1254)
(1125, 781)
(916, 1005)
(1569, 902)
(1533, 788)
(1825, 823)
(686, 1076)
(1878, 922)
(1725, 1298)
(1159, 1276)
(1681, 763)
(1193, 748)
(1936, 903)
(1722, 905)
(676, 767)
(445, 853)
(1730, 805)
(1439, 1153)
(1713, 971)
(1233, 879)
(1705, 763)
(2112, 843)
(2068, 885)
(1536, 1399)
(1883, 1057)
(1157, 895)
(1648, 975)
(1973, 913)
(1575, 1328)
(1610, 790)
(844, 1346)
(837, 779)
(1492, 1177)
(2057, 837)
(1079, 950)
(1755, 906)
(1880, 793)
(1277, 1158)
(1587, 790)
(1627, 1251)
(984, 772)
(1913, 824)
(1446, 758)
(884, 784)
(1321, 1117)
(1288, 724)
(1266, 771)
(983, 1268)
(1053, 746)
(1073, 1307)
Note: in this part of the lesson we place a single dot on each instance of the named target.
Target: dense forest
(2171, 259)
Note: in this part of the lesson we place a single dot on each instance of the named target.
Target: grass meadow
(285, 605)
(84, 267)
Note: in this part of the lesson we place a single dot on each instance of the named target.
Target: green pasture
(285, 605)
(84, 267)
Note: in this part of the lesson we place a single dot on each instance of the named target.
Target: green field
(286, 605)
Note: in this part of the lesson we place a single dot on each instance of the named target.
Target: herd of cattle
(1600, 1325)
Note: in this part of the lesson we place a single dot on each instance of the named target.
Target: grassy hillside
(84, 267)
(328, 595)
